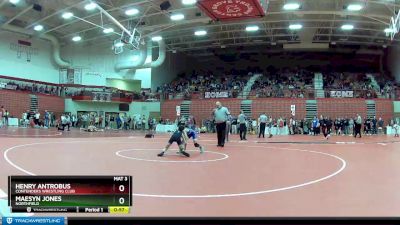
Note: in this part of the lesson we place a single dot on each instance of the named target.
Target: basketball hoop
(131, 41)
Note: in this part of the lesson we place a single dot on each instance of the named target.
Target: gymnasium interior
(98, 88)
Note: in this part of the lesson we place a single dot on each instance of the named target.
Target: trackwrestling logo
(33, 220)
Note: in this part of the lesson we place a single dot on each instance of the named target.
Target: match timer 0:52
(118, 210)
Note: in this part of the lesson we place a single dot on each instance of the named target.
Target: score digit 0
(121, 188)
(121, 200)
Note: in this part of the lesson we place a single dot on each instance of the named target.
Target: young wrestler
(396, 128)
(191, 134)
(177, 137)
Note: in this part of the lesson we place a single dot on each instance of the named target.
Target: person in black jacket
(324, 126)
(366, 126)
(374, 122)
(329, 124)
(342, 126)
(337, 126)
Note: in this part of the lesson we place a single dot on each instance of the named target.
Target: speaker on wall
(123, 107)
(37, 7)
(165, 5)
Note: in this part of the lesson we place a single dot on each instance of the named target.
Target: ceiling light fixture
(108, 30)
(67, 15)
(295, 26)
(176, 17)
(90, 6)
(156, 38)
(200, 33)
(38, 27)
(131, 12)
(354, 7)
(291, 6)
(14, 1)
(347, 27)
(76, 38)
(252, 28)
(189, 2)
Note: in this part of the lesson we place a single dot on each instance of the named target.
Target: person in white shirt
(37, 117)
(254, 125)
(62, 124)
(23, 119)
(134, 123)
(396, 129)
(262, 121)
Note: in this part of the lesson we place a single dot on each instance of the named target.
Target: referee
(262, 120)
(242, 125)
(357, 126)
(221, 115)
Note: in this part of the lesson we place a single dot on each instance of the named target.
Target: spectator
(2, 112)
(380, 125)
(37, 118)
(46, 119)
(6, 116)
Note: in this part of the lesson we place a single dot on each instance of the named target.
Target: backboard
(131, 41)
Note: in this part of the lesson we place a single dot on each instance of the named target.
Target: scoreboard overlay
(72, 194)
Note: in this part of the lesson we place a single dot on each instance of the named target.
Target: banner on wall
(70, 76)
(8, 86)
(102, 96)
(11, 87)
(216, 94)
(178, 110)
(293, 109)
(342, 94)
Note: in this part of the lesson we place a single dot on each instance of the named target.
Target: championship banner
(224, 10)
(342, 94)
(178, 110)
(221, 94)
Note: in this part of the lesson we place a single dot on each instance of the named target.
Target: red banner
(224, 10)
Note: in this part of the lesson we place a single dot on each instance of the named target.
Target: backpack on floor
(149, 135)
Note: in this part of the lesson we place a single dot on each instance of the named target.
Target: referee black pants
(262, 130)
(242, 131)
(221, 128)
(357, 130)
(325, 131)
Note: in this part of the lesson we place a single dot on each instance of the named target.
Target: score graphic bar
(76, 194)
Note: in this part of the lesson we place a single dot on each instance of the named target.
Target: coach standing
(221, 115)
